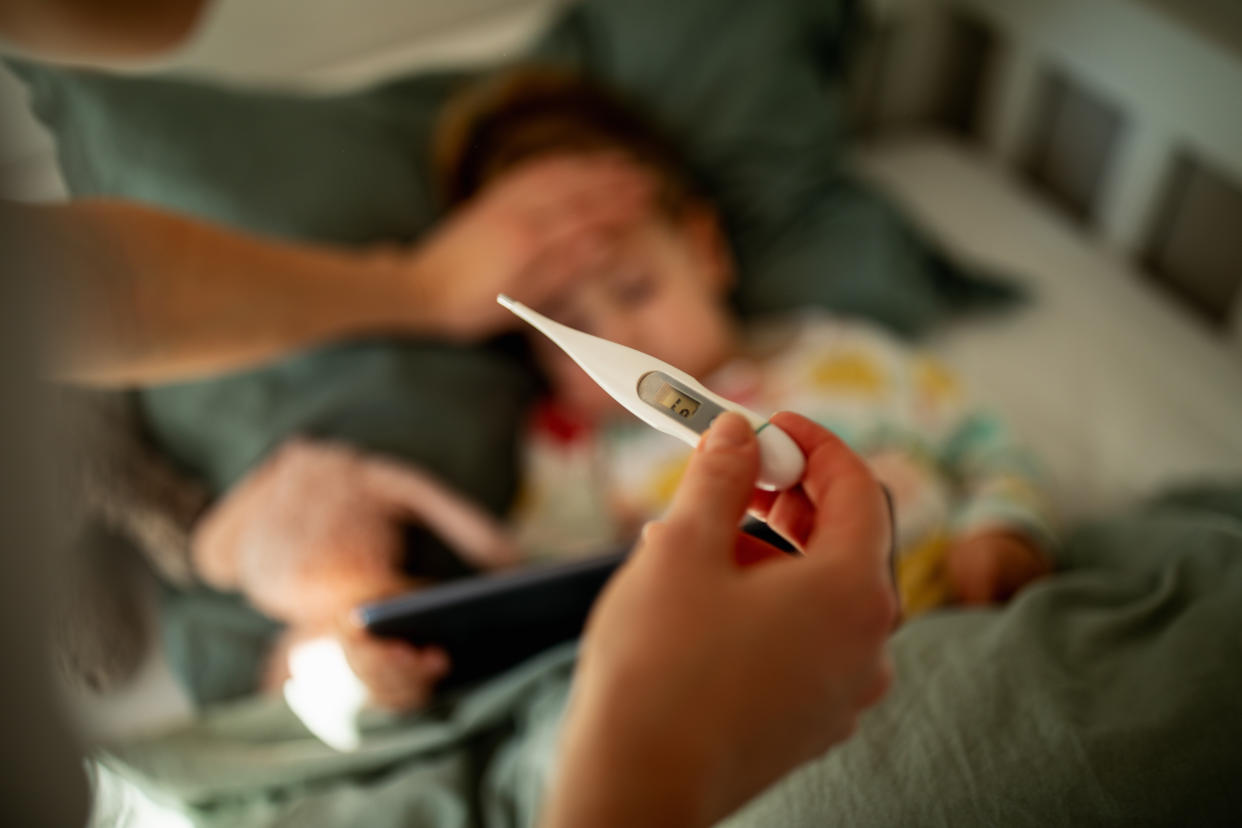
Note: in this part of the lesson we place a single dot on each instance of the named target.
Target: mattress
(1115, 387)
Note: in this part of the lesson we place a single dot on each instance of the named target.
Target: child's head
(661, 285)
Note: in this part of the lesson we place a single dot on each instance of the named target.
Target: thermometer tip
(505, 301)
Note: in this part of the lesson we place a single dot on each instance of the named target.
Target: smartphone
(489, 623)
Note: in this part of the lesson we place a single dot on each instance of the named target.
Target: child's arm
(998, 479)
(1001, 525)
(856, 378)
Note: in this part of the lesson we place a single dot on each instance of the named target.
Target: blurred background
(1090, 151)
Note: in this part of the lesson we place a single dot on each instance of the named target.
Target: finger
(600, 208)
(576, 241)
(217, 539)
(749, 550)
(379, 586)
(555, 267)
(716, 488)
(790, 513)
(833, 458)
(550, 168)
(375, 653)
(559, 266)
(396, 667)
(850, 512)
(601, 189)
(324, 598)
(545, 188)
(397, 675)
(586, 171)
(609, 201)
(580, 243)
(214, 544)
(761, 502)
(474, 534)
(793, 515)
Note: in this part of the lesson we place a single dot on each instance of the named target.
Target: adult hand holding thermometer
(666, 398)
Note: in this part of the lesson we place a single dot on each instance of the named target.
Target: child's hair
(522, 114)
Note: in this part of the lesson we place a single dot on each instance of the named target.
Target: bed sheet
(1117, 389)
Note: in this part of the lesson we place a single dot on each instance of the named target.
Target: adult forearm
(85, 29)
(143, 296)
(610, 779)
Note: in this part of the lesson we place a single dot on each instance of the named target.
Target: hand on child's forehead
(607, 269)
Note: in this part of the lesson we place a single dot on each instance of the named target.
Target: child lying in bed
(315, 530)
(970, 522)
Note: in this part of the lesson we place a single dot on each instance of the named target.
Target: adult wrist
(401, 292)
(616, 772)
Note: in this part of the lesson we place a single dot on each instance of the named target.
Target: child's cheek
(573, 388)
(692, 343)
(589, 400)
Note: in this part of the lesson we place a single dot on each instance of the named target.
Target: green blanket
(1105, 695)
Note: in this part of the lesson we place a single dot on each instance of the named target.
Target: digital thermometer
(665, 398)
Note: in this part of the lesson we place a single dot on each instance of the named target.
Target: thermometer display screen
(666, 396)
(678, 402)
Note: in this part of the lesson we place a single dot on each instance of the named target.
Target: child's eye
(578, 321)
(558, 309)
(633, 286)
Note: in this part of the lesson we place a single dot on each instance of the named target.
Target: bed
(1121, 391)
(1096, 374)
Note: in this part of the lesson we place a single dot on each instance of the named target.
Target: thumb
(719, 481)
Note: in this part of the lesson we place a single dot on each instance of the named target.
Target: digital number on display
(666, 396)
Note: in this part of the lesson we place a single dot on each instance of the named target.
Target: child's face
(659, 289)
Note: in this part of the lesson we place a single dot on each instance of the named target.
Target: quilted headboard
(1123, 112)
